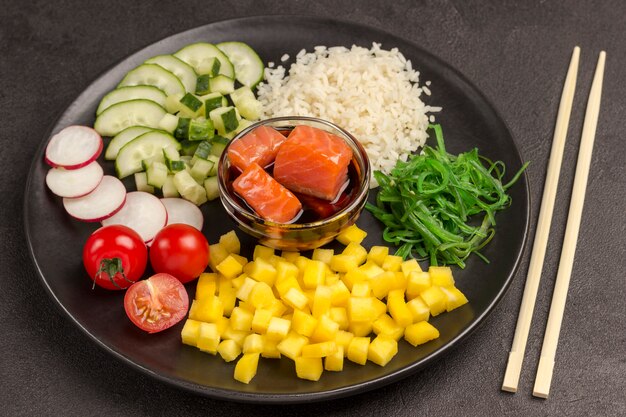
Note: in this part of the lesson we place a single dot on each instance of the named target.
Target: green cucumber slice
(119, 116)
(122, 139)
(142, 147)
(248, 65)
(132, 92)
(155, 75)
(199, 55)
(182, 70)
(169, 122)
(222, 84)
(141, 183)
(189, 188)
(156, 174)
(169, 189)
(211, 188)
(224, 119)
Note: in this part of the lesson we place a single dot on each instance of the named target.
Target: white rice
(372, 93)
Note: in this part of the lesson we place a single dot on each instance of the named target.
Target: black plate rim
(240, 396)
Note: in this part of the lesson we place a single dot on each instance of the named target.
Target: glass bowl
(297, 236)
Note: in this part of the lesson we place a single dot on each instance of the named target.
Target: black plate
(468, 119)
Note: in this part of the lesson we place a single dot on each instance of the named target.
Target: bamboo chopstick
(555, 318)
(516, 355)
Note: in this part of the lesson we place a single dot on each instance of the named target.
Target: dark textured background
(516, 54)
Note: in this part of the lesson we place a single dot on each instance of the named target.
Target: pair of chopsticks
(557, 308)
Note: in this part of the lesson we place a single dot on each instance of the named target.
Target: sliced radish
(183, 211)
(142, 212)
(74, 147)
(74, 183)
(103, 202)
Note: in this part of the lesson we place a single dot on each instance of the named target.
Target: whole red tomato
(180, 250)
(115, 257)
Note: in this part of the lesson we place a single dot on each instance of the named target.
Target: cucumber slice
(201, 130)
(169, 122)
(191, 102)
(218, 143)
(215, 160)
(211, 188)
(189, 188)
(222, 84)
(169, 189)
(147, 163)
(122, 139)
(119, 116)
(141, 183)
(200, 170)
(248, 65)
(155, 75)
(188, 148)
(142, 147)
(224, 119)
(182, 70)
(203, 150)
(156, 174)
(132, 92)
(212, 101)
(182, 129)
(173, 104)
(199, 55)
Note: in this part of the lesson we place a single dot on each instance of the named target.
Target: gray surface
(516, 54)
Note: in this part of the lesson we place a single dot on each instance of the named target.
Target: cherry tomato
(115, 257)
(156, 303)
(180, 250)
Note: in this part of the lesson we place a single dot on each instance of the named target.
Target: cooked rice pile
(372, 93)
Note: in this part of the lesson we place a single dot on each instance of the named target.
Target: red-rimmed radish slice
(183, 211)
(74, 147)
(142, 212)
(103, 202)
(74, 183)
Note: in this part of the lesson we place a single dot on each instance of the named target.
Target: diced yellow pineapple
(285, 270)
(261, 295)
(321, 301)
(244, 289)
(361, 289)
(343, 263)
(399, 281)
(409, 266)
(382, 350)
(291, 256)
(314, 274)
(371, 269)
(417, 283)
(301, 262)
(237, 336)
(190, 332)
(378, 254)
(358, 349)
(386, 326)
(296, 299)
(241, 319)
(435, 299)
(392, 263)
(334, 362)
(323, 255)
(230, 242)
(340, 294)
(380, 307)
(419, 310)
(454, 298)
(343, 339)
(382, 284)
(261, 320)
(253, 343)
(261, 251)
(278, 328)
(270, 348)
(283, 285)
(340, 316)
(351, 234)
(398, 308)
(291, 346)
(228, 350)
(217, 254)
(246, 306)
(303, 323)
(241, 259)
(246, 367)
(208, 338)
(208, 309)
(277, 308)
(360, 328)
(222, 324)
(207, 284)
(362, 309)
(309, 368)
(238, 282)
(441, 276)
(325, 330)
(261, 270)
(319, 350)
(420, 333)
(353, 276)
(228, 296)
(357, 251)
(230, 267)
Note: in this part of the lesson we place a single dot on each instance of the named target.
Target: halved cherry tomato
(115, 257)
(180, 250)
(156, 303)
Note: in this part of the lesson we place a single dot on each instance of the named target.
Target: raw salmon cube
(268, 198)
(313, 162)
(258, 146)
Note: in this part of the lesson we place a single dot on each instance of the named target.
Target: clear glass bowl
(297, 236)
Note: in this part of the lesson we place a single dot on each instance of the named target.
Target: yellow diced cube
(278, 328)
(275, 259)
(190, 332)
(399, 281)
(360, 328)
(435, 299)
(222, 324)
(420, 333)
(358, 349)
(371, 269)
(392, 263)
(238, 282)
(386, 326)
(351, 234)
(261, 251)
(340, 316)
(454, 298)
(325, 330)
(229, 267)
(208, 338)
(261, 320)
(418, 282)
(319, 350)
(261, 295)
(323, 255)
(230, 242)
(334, 362)
(261, 270)
(246, 306)
(343, 263)
(340, 294)
(291, 256)
(285, 284)
(321, 301)
(361, 289)
(301, 262)
(241, 259)
(441, 276)
(217, 253)
(382, 350)
(362, 309)
(241, 319)
(314, 274)
(378, 254)
(353, 276)
(238, 336)
(206, 286)
(357, 251)
(296, 299)
(246, 367)
(303, 323)
(398, 308)
(253, 343)
(382, 284)
(277, 308)
(228, 297)
(380, 307)
(419, 310)
(208, 309)
(243, 292)
(331, 279)
(409, 266)
(270, 348)
(285, 270)
(291, 346)
(343, 339)
(228, 350)
(309, 368)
